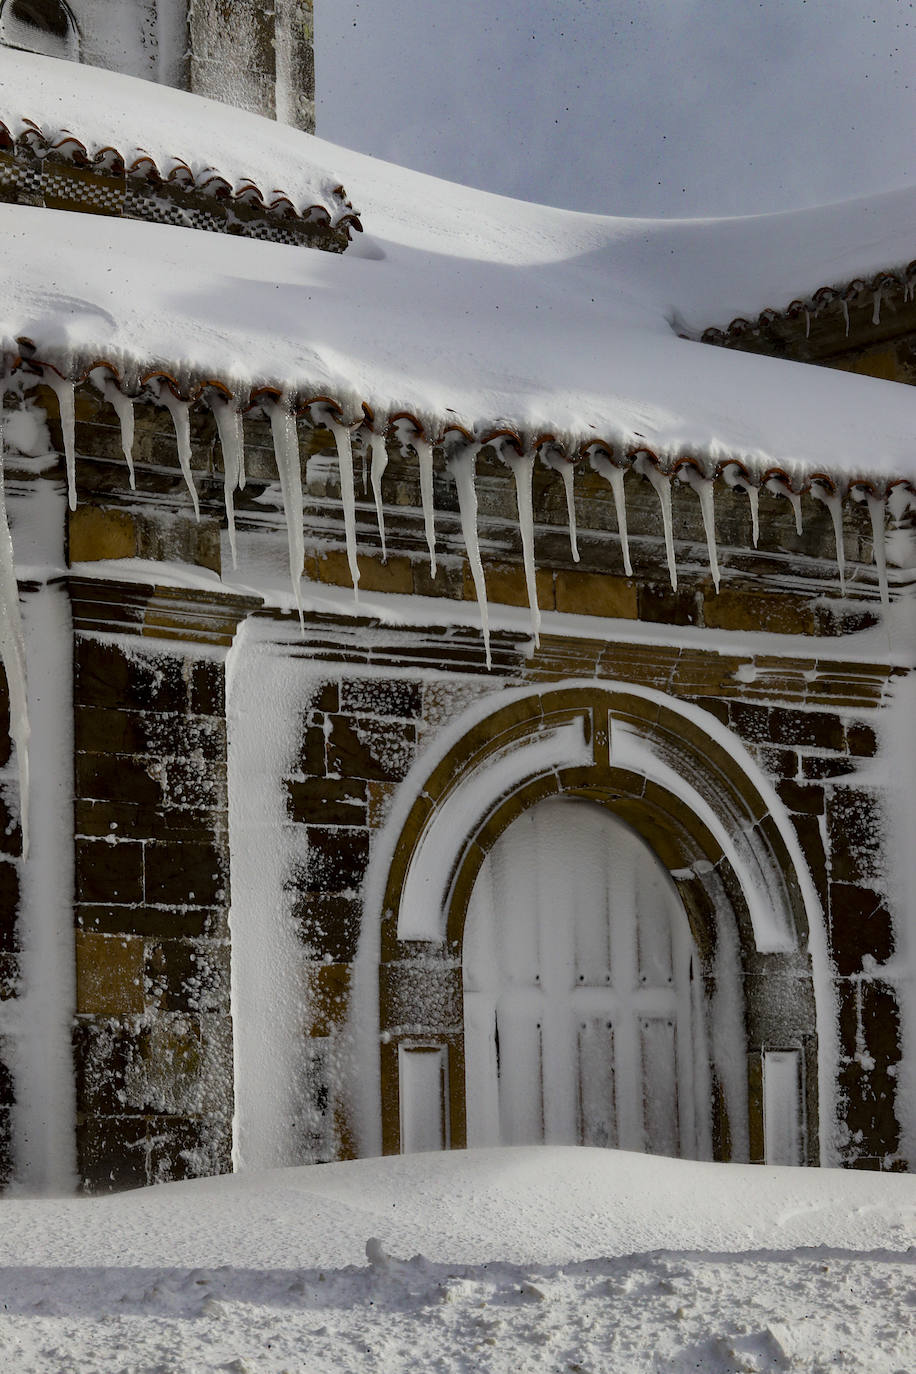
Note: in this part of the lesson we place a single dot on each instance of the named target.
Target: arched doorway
(706, 819)
(583, 1011)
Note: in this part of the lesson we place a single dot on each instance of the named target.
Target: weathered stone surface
(112, 1152)
(329, 925)
(861, 740)
(109, 872)
(109, 975)
(336, 859)
(9, 904)
(585, 593)
(179, 873)
(808, 830)
(868, 1098)
(186, 976)
(802, 729)
(774, 612)
(799, 797)
(166, 922)
(95, 533)
(119, 778)
(860, 927)
(660, 605)
(855, 824)
(399, 698)
(327, 801)
(880, 1019)
(360, 747)
(328, 998)
(817, 767)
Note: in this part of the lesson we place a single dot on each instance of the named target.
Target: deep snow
(497, 311)
(515, 1260)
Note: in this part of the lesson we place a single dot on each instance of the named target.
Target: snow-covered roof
(458, 307)
(65, 113)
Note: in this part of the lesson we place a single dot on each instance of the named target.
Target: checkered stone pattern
(158, 209)
(25, 182)
(96, 195)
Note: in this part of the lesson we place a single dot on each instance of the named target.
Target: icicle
(807, 324)
(877, 514)
(425, 454)
(123, 407)
(343, 440)
(463, 469)
(568, 472)
(704, 489)
(12, 652)
(64, 391)
(795, 498)
(379, 464)
(230, 425)
(753, 496)
(662, 487)
(180, 412)
(876, 312)
(834, 504)
(615, 475)
(845, 305)
(523, 469)
(286, 452)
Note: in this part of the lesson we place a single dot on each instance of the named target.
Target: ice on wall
(520, 461)
(12, 651)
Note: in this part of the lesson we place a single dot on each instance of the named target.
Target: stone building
(308, 877)
(256, 56)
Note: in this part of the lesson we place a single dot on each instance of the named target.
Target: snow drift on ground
(505, 1260)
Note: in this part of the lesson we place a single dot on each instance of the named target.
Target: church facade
(623, 868)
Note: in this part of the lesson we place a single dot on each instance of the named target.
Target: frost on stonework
(362, 433)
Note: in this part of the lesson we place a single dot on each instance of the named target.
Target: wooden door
(583, 1015)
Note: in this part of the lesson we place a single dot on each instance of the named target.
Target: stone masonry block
(118, 778)
(800, 729)
(869, 1100)
(328, 925)
(9, 905)
(109, 872)
(381, 697)
(337, 858)
(360, 747)
(192, 874)
(109, 975)
(585, 593)
(95, 533)
(777, 613)
(855, 823)
(327, 801)
(185, 976)
(860, 927)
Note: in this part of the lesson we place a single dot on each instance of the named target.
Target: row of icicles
(461, 450)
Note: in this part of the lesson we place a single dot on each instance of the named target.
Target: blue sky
(655, 107)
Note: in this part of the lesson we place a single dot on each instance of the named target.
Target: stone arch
(678, 778)
(42, 26)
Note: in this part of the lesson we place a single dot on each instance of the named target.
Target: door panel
(578, 991)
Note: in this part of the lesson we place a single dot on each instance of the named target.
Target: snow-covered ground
(524, 1259)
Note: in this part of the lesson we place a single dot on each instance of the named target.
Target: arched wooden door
(583, 1006)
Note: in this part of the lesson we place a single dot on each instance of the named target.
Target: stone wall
(10, 859)
(153, 1034)
(153, 1031)
(810, 724)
